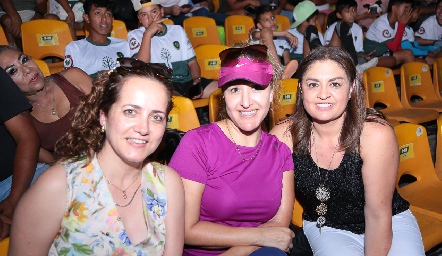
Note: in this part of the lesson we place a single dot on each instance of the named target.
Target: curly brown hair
(275, 83)
(85, 137)
(356, 113)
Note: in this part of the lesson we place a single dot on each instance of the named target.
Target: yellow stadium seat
(282, 22)
(3, 40)
(46, 38)
(201, 30)
(417, 181)
(119, 30)
(287, 101)
(43, 67)
(168, 22)
(199, 103)
(237, 28)
(417, 90)
(183, 115)
(213, 105)
(438, 164)
(430, 228)
(437, 77)
(297, 214)
(380, 88)
(4, 246)
(208, 59)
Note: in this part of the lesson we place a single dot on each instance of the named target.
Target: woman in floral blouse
(104, 197)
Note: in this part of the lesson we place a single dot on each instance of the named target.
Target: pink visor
(259, 73)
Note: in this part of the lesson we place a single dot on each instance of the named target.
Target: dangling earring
(103, 129)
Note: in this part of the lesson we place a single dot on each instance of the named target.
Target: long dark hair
(356, 113)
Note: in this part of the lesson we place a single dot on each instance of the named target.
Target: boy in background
(348, 35)
(155, 42)
(430, 31)
(97, 52)
(427, 53)
(73, 15)
(385, 40)
(279, 43)
(304, 28)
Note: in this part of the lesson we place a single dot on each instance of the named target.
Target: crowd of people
(77, 145)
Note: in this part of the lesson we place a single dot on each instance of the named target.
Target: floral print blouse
(91, 224)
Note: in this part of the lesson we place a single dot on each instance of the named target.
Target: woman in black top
(346, 160)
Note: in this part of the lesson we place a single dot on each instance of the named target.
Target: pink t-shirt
(237, 193)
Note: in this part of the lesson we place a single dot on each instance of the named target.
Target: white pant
(407, 239)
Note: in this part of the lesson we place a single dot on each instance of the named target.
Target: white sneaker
(360, 68)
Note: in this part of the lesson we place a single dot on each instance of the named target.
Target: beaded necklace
(237, 148)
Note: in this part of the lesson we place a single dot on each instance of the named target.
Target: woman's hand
(279, 237)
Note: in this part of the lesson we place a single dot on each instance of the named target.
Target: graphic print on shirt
(133, 44)
(176, 44)
(68, 61)
(386, 34)
(108, 63)
(165, 55)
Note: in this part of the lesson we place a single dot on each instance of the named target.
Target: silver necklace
(130, 199)
(123, 190)
(53, 112)
(322, 192)
(237, 148)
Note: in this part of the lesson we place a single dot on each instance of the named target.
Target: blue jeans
(5, 185)
(268, 251)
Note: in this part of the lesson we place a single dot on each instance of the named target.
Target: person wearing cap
(238, 179)
(155, 42)
(98, 51)
(304, 28)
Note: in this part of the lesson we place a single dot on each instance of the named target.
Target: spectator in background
(347, 34)
(179, 10)
(155, 42)
(304, 28)
(124, 11)
(430, 32)
(14, 12)
(368, 10)
(279, 43)
(19, 146)
(98, 51)
(385, 40)
(238, 7)
(61, 10)
(426, 53)
(54, 98)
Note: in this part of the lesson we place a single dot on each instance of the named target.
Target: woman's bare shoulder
(282, 131)
(78, 78)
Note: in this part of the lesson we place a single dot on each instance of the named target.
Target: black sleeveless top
(346, 203)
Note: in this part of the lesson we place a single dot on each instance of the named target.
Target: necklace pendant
(124, 194)
(53, 112)
(322, 193)
(320, 222)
